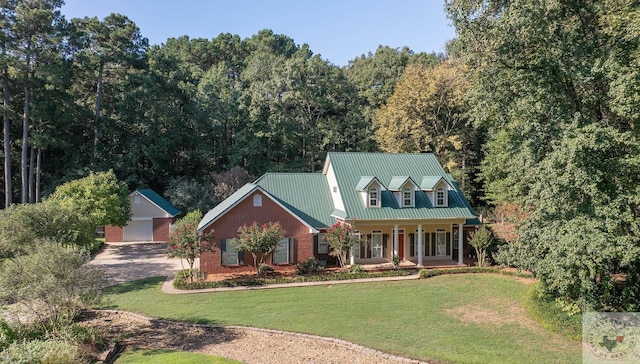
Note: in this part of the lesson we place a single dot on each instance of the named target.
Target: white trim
(312, 230)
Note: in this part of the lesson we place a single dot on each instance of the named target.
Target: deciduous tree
(185, 242)
(259, 240)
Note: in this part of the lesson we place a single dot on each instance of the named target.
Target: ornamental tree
(260, 239)
(341, 239)
(185, 242)
(481, 240)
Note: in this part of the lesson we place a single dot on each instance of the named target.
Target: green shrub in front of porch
(261, 281)
(427, 273)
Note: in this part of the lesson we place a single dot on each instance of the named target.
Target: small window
(257, 201)
(323, 244)
(373, 197)
(376, 244)
(136, 200)
(407, 197)
(440, 197)
(281, 254)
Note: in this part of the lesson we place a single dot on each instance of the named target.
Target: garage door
(138, 230)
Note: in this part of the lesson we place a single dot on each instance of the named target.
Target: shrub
(7, 335)
(309, 266)
(264, 269)
(42, 352)
(356, 268)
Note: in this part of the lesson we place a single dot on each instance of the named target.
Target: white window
(441, 242)
(136, 200)
(281, 254)
(257, 200)
(373, 197)
(376, 244)
(440, 197)
(407, 197)
(323, 244)
(229, 252)
(355, 248)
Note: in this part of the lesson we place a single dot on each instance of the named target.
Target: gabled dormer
(370, 190)
(436, 188)
(404, 190)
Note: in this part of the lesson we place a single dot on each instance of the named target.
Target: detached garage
(151, 219)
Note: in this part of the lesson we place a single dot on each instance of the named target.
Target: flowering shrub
(184, 241)
(259, 239)
(341, 239)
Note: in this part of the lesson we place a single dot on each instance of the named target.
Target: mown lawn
(467, 318)
(169, 357)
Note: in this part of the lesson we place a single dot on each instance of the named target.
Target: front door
(401, 245)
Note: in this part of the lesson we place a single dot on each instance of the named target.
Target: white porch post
(460, 238)
(396, 238)
(352, 256)
(420, 252)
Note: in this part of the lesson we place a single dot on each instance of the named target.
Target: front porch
(409, 265)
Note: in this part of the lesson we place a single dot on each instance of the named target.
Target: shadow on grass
(137, 285)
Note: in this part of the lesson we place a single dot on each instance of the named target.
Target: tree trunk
(8, 190)
(32, 172)
(25, 129)
(96, 132)
(38, 168)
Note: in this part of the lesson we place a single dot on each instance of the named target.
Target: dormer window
(407, 197)
(440, 197)
(373, 197)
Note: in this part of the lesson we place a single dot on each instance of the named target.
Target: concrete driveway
(130, 261)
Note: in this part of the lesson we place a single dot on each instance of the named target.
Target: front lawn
(466, 318)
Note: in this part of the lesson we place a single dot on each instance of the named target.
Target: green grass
(169, 357)
(465, 318)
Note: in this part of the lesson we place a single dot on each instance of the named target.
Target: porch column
(395, 240)
(460, 238)
(420, 252)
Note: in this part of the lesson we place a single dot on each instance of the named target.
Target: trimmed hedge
(427, 273)
(254, 281)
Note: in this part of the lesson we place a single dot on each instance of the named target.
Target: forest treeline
(90, 94)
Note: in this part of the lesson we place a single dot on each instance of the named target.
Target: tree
(185, 243)
(53, 282)
(259, 240)
(341, 239)
(554, 83)
(482, 240)
(99, 196)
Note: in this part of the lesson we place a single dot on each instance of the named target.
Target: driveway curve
(129, 261)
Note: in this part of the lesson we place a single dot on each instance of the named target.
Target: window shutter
(433, 244)
(315, 245)
(223, 249)
(292, 258)
(385, 238)
(448, 243)
(412, 245)
(241, 257)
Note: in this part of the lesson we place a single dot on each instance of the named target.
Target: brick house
(151, 219)
(398, 204)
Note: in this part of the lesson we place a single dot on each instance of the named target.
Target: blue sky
(338, 30)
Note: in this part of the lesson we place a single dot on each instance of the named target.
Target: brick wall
(161, 228)
(112, 234)
(245, 213)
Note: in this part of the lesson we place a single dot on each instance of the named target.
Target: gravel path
(248, 345)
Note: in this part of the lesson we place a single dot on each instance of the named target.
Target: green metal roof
(159, 201)
(349, 167)
(305, 194)
(397, 182)
(364, 182)
(429, 182)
